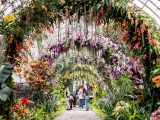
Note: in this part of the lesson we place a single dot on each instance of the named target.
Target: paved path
(78, 114)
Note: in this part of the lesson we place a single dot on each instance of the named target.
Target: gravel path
(78, 114)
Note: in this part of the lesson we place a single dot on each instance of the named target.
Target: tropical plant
(5, 90)
(5, 72)
(40, 16)
(1, 118)
(120, 89)
(20, 108)
(155, 70)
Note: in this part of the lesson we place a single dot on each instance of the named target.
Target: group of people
(81, 94)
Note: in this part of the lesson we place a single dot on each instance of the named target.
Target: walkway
(78, 114)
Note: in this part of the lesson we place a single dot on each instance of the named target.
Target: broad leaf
(4, 92)
(155, 72)
(5, 71)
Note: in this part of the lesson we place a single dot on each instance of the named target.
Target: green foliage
(155, 70)
(133, 112)
(46, 109)
(120, 88)
(5, 72)
(46, 104)
(4, 92)
(1, 118)
(104, 107)
(38, 113)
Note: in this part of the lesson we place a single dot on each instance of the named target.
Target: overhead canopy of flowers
(120, 38)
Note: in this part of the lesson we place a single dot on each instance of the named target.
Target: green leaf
(98, 6)
(4, 92)
(5, 72)
(155, 72)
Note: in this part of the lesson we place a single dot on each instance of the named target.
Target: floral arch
(140, 35)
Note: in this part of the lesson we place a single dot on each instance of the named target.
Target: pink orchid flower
(144, 56)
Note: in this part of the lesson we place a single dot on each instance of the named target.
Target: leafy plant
(1, 118)
(156, 70)
(5, 72)
(120, 88)
(4, 92)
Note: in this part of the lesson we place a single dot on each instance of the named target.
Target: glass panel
(152, 7)
(7, 6)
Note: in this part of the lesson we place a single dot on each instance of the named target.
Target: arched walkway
(110, 48)
(78, 114)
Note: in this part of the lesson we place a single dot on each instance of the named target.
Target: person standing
(87, 100)
(71, 100)
(84, 91)
(67, 95)
(81, 97)
(74, 99)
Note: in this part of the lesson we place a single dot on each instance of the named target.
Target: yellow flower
(129, 15)
(120, 106)
(46, 63)
(113, 113)
(117, 108)
(47, 83)
(9, 18)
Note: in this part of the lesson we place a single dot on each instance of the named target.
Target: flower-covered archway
(135, 32)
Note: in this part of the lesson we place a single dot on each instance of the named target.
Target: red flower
(25, 101)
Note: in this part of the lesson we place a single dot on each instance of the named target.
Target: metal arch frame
(11, 4)
(145, 5)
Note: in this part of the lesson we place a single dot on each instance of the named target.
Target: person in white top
(81, 97)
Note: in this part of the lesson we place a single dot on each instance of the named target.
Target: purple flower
(129, 68)
(100, 37)
(115, 47)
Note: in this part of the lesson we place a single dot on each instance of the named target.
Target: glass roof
(8, 6)
(152, 7)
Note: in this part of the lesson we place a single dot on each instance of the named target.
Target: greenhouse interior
(79, 59)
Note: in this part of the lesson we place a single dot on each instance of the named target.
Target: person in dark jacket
(74, 99)
(67, 94)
